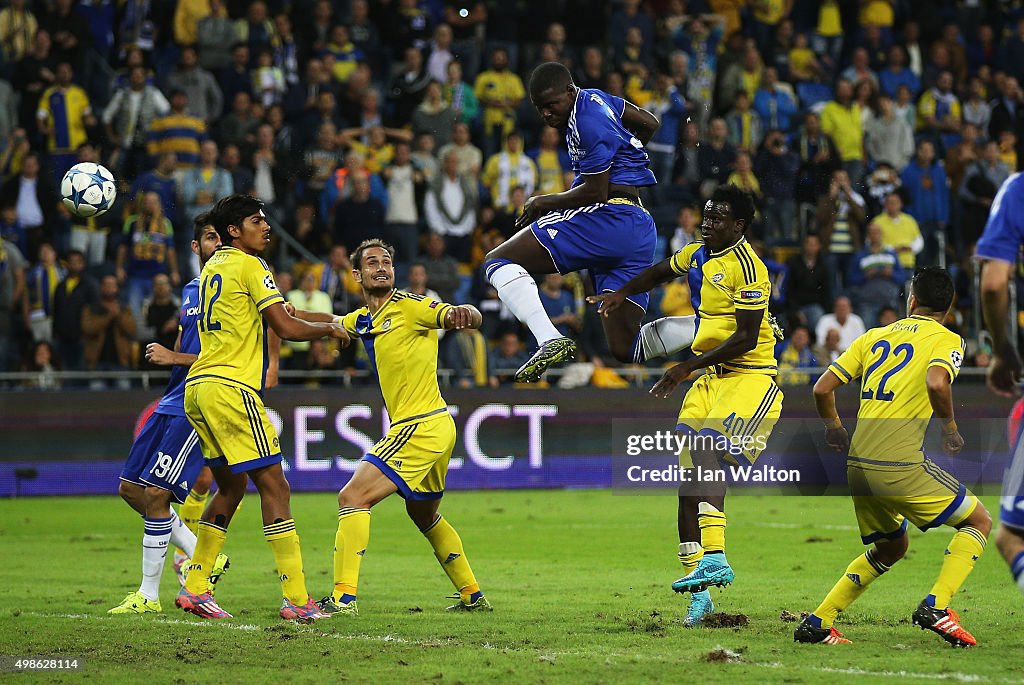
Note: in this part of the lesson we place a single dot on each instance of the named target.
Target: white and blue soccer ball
(88, 189)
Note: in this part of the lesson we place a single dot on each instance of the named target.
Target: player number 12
(206, 322)
(881, 394)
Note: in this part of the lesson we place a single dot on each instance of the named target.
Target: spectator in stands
(876, 277)
(160, 316)
(700, 42)
(242, 180)
(238, 127)
(12, 290)
(215, 35)
(469, 155)
(777, 167)
(808, 283)
(108, 330)
(829, 349)
(161, 181)
(365, 34)
(147, 250)
(504, 359)
(939, 113)
(983, 180)
(178, 132)
(840, 217)
(500, 91)
(434, 115)
(63, 116)
(204, 184)
(744, 124)
(591, 73)
(34, 199)
(460, 95)
(860, 68)
(1013, 52)
(408, 87)
(882, 181)
(686, 173)
(1007, 110)
(795, 354)
(743, 75)
(818, 159)
(317, 30)
(442, 269)
(235, 77)
(41, 281)
(128, 118)
(900, 231)
(924, 180)
(205, 100)
(774, 103)
(271, 174)
(450, 208)
(402, 216)
(10, 228)
(440, 54)
(468, 18)
(334, 277)
(306, 297)
(887, 137)
(715, 157)
(841, 121)
(842, 319)
(976, 109)
(507, 169)
(897, 74)
(70, 32)
(33, 74)
(344, 53)
(685, 231)
(17, 27)
(666, 103)
(559, 305)
(553, 162)
(359, 216)
(743, 176)
(43, 361)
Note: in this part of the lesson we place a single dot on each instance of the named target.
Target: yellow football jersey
(401, 341)
(234, 288)
(893, 364)
(721, 283)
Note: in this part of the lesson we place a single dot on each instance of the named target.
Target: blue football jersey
(599, 142)
(1004, 232)
(173, 401)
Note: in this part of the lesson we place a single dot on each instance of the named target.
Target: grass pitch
(579, 581)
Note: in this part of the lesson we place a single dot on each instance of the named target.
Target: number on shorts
(162, 466)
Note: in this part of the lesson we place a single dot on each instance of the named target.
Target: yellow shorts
(415, 456)
(887, 497)
(742, 408)
(232, 425)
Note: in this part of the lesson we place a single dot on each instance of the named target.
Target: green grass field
(579, 579)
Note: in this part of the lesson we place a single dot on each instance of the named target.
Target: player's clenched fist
(463, 316)
(159, 355)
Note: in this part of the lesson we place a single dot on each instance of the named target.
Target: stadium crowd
(873, 135)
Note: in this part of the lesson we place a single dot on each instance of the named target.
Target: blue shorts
(614, 240)
(1011, 504)
(165, 455)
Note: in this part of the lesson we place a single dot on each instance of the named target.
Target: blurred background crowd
(872, 133)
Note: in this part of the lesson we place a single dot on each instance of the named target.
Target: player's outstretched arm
(643, 282)
(1004, 372)
(592, 190)
(161, 356)
(836, 436)
(463, 316)
(290, 328)
(940, 395)
(639, 122)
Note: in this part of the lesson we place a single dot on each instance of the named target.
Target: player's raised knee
(980, 520)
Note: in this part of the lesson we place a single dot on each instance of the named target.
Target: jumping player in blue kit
(999, 250)
(598, 224)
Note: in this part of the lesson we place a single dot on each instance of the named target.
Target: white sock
(666, 336)
(154, 551)
(518, 291)
(181, 536)
(689, 547)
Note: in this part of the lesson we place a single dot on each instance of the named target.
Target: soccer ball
(88, 189)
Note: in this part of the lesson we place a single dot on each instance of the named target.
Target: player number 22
(216, 283)
(906, 350)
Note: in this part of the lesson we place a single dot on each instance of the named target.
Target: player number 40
(904, 353)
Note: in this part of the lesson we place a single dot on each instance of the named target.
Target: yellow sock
(284, 543)
(209, 542)
(190, 512)
(712, 527)
(963, 552)
(350, 545)
(690, 554)
(448, 549)
(859, 574)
